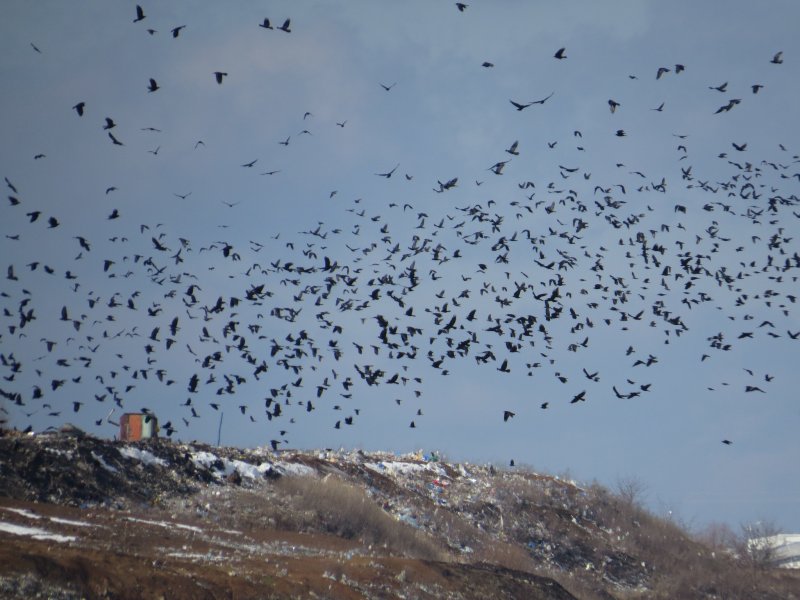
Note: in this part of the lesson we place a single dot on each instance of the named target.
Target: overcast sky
(641, 261)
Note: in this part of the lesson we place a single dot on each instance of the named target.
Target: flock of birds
(327, 317)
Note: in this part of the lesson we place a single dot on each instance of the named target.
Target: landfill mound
(82, 517)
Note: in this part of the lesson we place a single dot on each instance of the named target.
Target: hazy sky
(641, 261)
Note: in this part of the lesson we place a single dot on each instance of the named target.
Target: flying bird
(266, 24)
(560, 53)
(778, 58)
(285, 26)
(388, 174)
(153, 85)
(79, 108)
(139, 14)
(219, 75)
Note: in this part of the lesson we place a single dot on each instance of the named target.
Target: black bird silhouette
(79, 108)
(560, 53)
(388, 174)
(388, 87)
(778, 58)
(219, 75)
(109, 123)
(139, 14)
(661, 71)
(727, 442)
(177, 30)
(519, 106)
(153, 85)
(461, 6)
(114, 140)
(286, 25)
(507, 414)
(266, 24)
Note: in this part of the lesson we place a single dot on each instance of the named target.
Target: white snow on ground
(34, 532)
(295, 469)
(209, 460)
(144, 456)
(104, 464)
(395, 468)
(23, 512)
(30, 515)
(69, 522)
(165, 524)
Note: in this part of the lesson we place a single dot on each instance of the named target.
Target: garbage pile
(475, 514)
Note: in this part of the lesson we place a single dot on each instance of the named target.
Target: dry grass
(341, 508)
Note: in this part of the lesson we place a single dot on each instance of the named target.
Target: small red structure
(137, 426)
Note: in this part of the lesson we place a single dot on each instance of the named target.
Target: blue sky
(640, 228)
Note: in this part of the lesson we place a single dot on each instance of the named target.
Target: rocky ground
(87, 518)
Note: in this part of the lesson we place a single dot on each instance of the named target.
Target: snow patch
(395, 468)
(23, 512)
(104, 464)
(165, 524)
(34, 532)
(144, 456)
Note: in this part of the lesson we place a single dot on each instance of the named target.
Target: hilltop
(82, 517)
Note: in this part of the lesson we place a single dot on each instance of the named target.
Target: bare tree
(757, 545)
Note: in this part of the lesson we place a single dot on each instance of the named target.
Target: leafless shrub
(755, 546)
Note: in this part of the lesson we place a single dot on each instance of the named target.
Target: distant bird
(52, 223)
(219, 75)
(177, 30)
(513, 148)
(778, 58)
(560, 54)
(388, 174)
(727, 442)
(487, 64)
(153, 85)
(520, 106)
(661, 71)
(114, 140)
(461, 6)
(35, 48)
(266, 24)
(620, 133)
(756, 87)
(388, 87)
(139, 14)
(659, 108)
(679, 69)
(251, 163)
(79, 108)
(720, 88)
(286, 25)
(109, 123)
(613, 105)
(507, 414)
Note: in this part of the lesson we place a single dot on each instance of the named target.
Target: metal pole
(219, 430)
